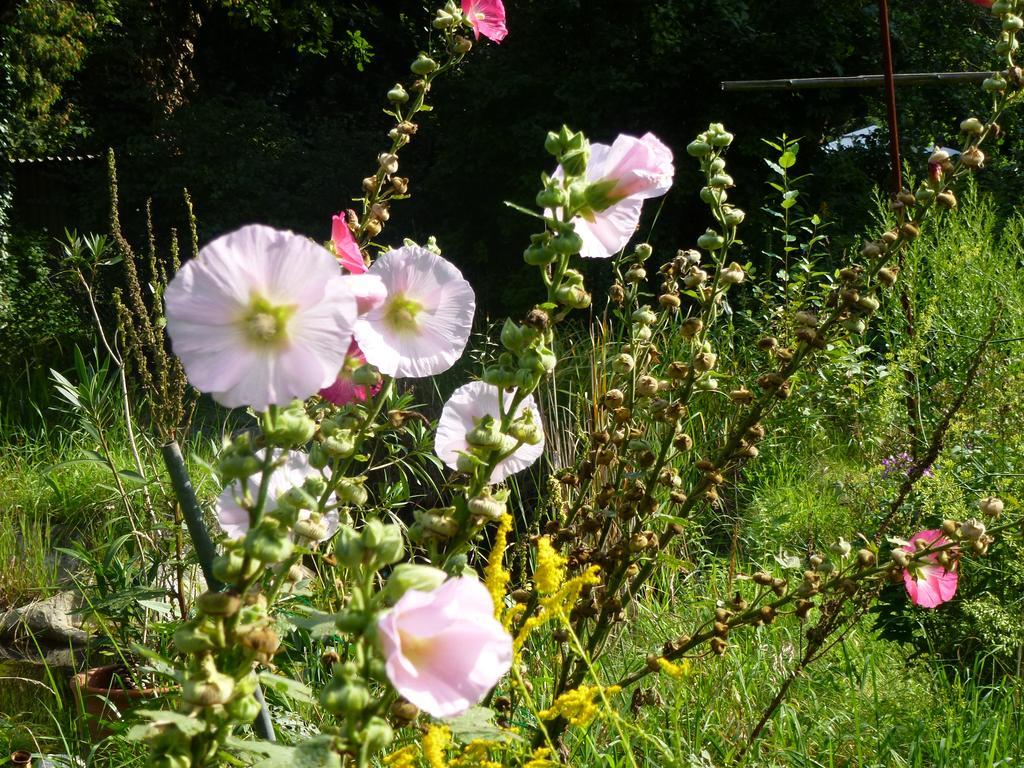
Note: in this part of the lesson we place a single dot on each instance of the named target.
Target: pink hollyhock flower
(261, 317)
(487, 17)
(344, 390)
(345, 246)
(620, 177)
(464, 410)
(444, 649)
(423, 325)
(928, 583)
(234, 519)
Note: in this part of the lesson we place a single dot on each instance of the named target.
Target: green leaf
(189, 726)
(285, 686)
(478, 723)
(318, 624)
(318, 752)
(788, 159)
(157, 606)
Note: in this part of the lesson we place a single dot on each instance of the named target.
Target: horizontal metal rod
(855, 81)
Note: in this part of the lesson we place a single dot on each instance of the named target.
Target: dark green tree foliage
(260, 107)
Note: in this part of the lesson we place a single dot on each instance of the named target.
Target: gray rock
(50, 621)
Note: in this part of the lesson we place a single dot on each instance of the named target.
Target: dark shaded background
(259, 127)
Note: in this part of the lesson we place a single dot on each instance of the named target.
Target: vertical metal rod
(206, 552)
(890, 98)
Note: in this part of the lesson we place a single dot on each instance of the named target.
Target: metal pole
(890, 98)
(854, 81)
(206, 552)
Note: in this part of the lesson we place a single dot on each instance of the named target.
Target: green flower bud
(291, 427)
(487, 505)
(721, 181)
(398, 94)
(340, 697)
(539, 255)
(552, 197)
(352, 491)
(378, 734)
(567, 243)
(623, 363)
(210, 688)
(310, 529)
(423, 65)
(713, 196)
(485, 434)
(643, 251)
(218, 603)
(573, 296)
(644, 316)
(341, 445)
(499, 376)
(525, 430)
(406, 576)
(243, 708)
(229, 567)
(439, 522)
(366, 376)
(348, 547)
(710, 241)
(467, 462)
(574, 162)
(384, 541)
(267, 543)
(190, 639)
(511, 335)
(734, 216)
(698, 148)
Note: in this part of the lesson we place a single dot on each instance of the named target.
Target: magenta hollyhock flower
(487, 17)
(261, 317)
(467, 406)
(620, 177)
(234, 519)
(345, 246)
(928, 583)
(444, 649)
(344, 390)
(423, 324)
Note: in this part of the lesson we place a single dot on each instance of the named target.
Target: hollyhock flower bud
(444, 649)
(711, 240)
(623, 363)
(887, 276)
(646, 386)
(734, 216)
(732, 274)
(209, 688)
(973, 158)
(704, 361)
(972, 529)
(423, 65)
(398, 94)
(973, 126)
(713, 195)
(991, 506)
(698, 148)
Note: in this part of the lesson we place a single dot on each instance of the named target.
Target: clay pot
(21, 759)
(104, 698)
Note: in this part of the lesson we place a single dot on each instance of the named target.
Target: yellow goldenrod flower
(558, 604)
(550, 573)
(539, 759)
(682, 669)
(496, 577)
(579, 706)
(403, 758)
(435, 741)
(475, 756)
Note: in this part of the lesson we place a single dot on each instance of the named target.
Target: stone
(50, 621)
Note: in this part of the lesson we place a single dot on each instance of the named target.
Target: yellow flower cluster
(476, 755)
(550, 573)
(579, 706)
(435, 741)
(682, 669)
(496, 577)
(539, 759)
(403, 758)
(558, 594)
